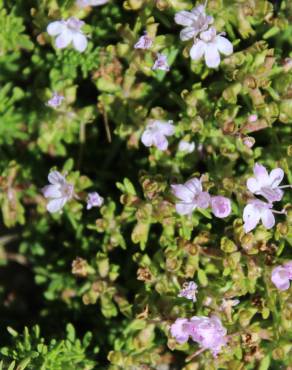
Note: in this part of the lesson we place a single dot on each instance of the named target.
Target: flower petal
(252, 185)
(64, 39)
(147, 138)
(55, 28)
(182, 192)
(51, 191)
(268, 218)
(187, 33)
(55, 205)
(184, 208)
(224, 46)
(197, 50)
(261, 173)
(166, 128)
(276, 176)
(80, 42)
(160, 141)
(251, 217)
(55, 178)
(212, 56)
(194, 185)
(184, 18)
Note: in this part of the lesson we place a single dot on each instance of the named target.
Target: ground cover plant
(146, 184)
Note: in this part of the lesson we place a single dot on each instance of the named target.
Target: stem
(106, 124)
(285, 186)
(197, 353)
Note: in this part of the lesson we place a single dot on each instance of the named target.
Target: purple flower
(144, 42)
(179, 330)
(189, 291)
(221, 206)
(156, 132)
(191, 196)
(85, 3)
(186, 147)
(281, 276)
(94, 200)
(208, 332)
(209, 45)
(161, 63)
(58, 193)
(266, 184)
(56, 100)
(252, 118)
(256, 211)
(194, 21)
(68, 31)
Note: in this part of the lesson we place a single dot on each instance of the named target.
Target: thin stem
(285, 186)
(106, 124)
(197, 353)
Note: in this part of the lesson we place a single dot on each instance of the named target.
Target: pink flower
(255, 212)
(58, 193)
(266, 184)
(221, 206)
(209, 45)
(189, 291)
(281, 276)
(156, 132)
(94, 200)
(208, 332)
(161, 63)
(68, 31)
(178, 330)
(191, 196)
(144, 42)
(252, 118)
(56, 100)
(194, 21)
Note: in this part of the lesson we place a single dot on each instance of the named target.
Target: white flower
(94, 200)
(266, 184)
(189, 291)
(255, 212)
(68, 31)
(209, 45)
(85, 3)
(156, 132)
(144, 42)
(191, 196)
(58, 193)
(55, 101)
(195, 21)
(185, 146)
(161, 63)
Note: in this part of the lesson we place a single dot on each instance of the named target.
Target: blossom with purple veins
(210, 45)
(94, 200)
(161, 63)
(256, 211)
(59, 192)
(144, 42)
(190, 196)
(189, 291)
(266, 184)
(195, 21)
(281, 276)
(221, 206)
(55, 101)
(156, 133)
(67, 32)
(208, 332)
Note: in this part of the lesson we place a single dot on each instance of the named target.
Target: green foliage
(115, 272)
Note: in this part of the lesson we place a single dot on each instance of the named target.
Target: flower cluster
(192, 196)
(281, 276)
(59, 192)
(206, 42)
(156, 133)
(267, 186)
(208, 332)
